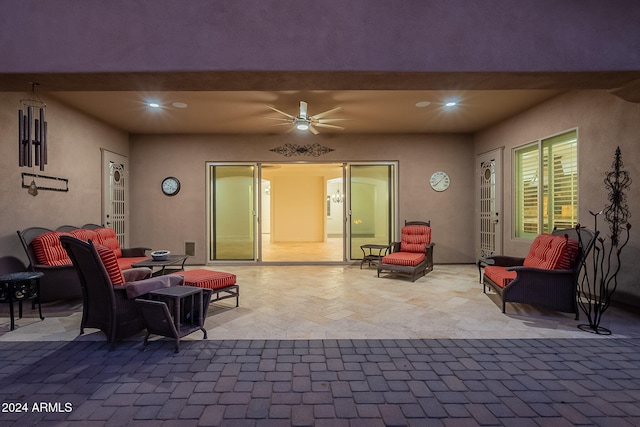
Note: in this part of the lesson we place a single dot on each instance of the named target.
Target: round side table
(20, 286)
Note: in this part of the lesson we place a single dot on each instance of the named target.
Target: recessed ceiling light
(179, 104)
(153, 105)
(423, 104)
(451, 103)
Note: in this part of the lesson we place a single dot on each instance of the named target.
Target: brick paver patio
(449, 382)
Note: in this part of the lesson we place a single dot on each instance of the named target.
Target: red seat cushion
(410, 259)
(550, 252)
(207, 278)
(414, 238)
(499, 275)
(107, 237)
(110, 262)
(48, 249)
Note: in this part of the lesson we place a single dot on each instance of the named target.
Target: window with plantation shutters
(546, 185)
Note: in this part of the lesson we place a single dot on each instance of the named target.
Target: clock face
(439, 181)
(170, 186)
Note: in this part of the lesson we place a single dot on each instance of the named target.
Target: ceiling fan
(305, 122)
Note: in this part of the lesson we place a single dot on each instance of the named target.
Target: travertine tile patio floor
(335, 302)
(331, 346)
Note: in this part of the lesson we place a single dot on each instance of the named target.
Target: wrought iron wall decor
(53, 183)
(32, 131)
(599, 281)
(290, 150)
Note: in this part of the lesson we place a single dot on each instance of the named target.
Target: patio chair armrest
(142, 287)
(521, 269)
(504, 261)
(394, 247)
(136, 274)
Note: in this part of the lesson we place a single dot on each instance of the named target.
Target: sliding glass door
(232, 212)
(307, 213)
(372, 206)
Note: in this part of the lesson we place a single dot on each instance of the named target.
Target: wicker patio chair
(60, 282)
(555, 288)
(108, 307)
(413, 256)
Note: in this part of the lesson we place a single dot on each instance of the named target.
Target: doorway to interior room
(302, 208)
(299, 212)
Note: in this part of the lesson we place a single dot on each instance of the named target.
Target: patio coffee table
(174, 262)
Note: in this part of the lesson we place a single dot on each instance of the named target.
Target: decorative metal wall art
(32, 131)
(52, 183)
(290, 150)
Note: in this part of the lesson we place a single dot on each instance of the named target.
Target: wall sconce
(32, 131)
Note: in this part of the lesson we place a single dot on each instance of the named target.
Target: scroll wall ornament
(599, 281)
(290, 150)
(32, 131)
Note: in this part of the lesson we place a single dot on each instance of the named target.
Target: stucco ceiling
(248, 112)
(370, 102)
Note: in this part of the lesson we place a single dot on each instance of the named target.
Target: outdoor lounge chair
(108, 294)
(547, 276)
(413, 256)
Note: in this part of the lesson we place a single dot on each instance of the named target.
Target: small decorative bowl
(160, 255)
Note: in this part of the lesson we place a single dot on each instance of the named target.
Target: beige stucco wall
(75, 141)
(169, 222)
(603, 122)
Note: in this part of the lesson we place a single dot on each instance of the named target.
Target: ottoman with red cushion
(222, 284)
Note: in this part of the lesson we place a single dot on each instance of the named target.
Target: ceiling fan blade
(321, 115)
(281, 124)
(276, 118)
(303, 109)
(313, 130)
(330, 120)
(281, 112)
(323, 125)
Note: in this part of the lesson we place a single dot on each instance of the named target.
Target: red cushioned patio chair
(547, 276)
(413, 256)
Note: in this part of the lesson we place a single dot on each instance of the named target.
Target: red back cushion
(548, 252)
(414, 238)
(107, 237)
(569, 257)
(49, 250)
(83, 234)
(110, 264)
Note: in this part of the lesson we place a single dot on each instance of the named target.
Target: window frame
(545, 221)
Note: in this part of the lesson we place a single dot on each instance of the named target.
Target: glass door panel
(232, 212)
(372, 206)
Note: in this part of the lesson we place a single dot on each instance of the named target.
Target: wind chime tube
(20, 138)
(28, 125)
(40, 149)
(36, 142)
(44, 145)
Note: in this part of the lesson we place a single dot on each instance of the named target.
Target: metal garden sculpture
(598, 282)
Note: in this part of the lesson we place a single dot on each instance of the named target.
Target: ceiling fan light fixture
(302, 124)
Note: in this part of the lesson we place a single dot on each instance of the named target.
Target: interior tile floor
(330, 346)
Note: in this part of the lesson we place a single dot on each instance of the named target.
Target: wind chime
(32, 133)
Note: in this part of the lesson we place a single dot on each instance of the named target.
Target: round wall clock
(170, 186)
(440, 181)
